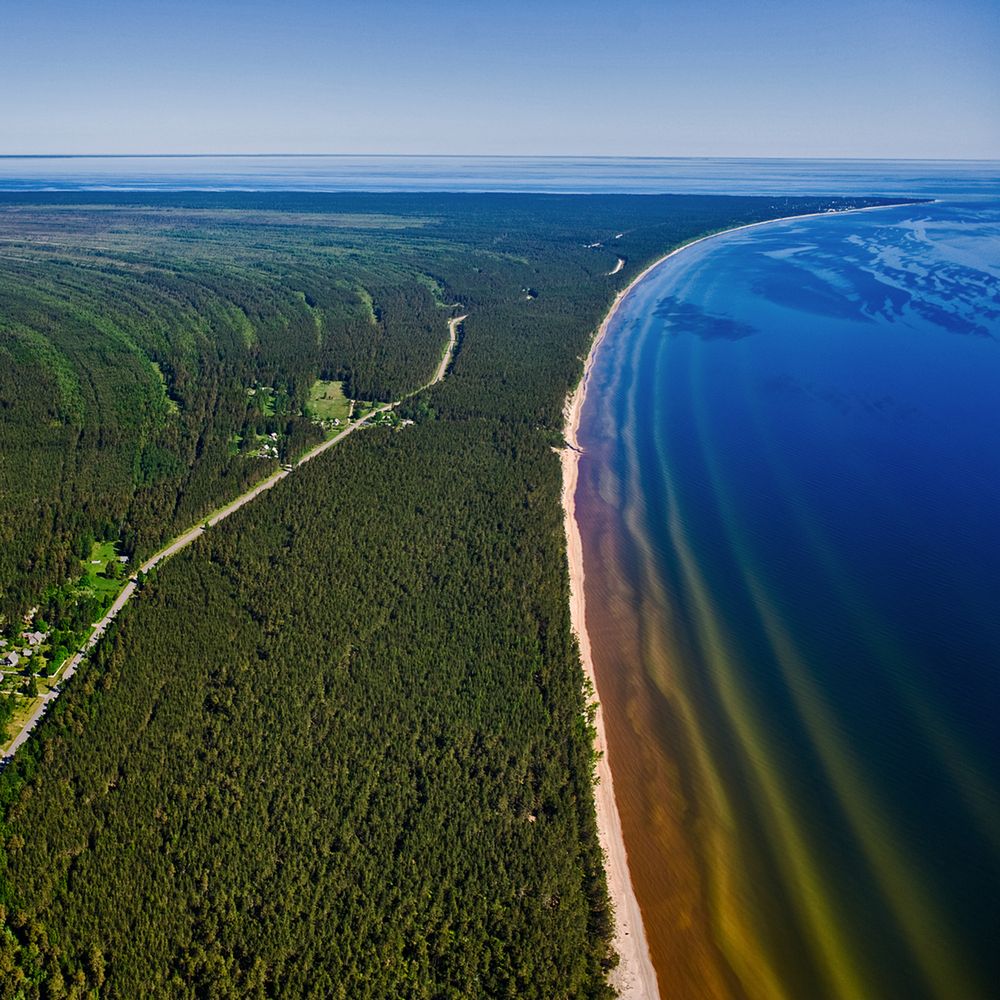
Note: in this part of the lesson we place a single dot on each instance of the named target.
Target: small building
(35, 638)
(11, 659)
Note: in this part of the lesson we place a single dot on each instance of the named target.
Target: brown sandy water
(657, 811)
(798, 708)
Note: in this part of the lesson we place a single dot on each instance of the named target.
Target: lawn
(105, 590)
(94, 579)
(14, 681)
(328, 402)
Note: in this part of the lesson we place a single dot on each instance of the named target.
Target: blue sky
(919, 78)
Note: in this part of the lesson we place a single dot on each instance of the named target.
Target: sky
(852, 78)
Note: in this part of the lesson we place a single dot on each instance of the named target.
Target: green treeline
(339, 747)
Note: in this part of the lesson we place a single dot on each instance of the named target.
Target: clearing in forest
(328, 402)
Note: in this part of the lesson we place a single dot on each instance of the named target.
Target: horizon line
(489, 156)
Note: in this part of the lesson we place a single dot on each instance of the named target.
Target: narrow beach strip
(635, 977)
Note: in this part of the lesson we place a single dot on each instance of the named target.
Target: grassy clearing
(362, 407)
(95, 568)
(16, 683)
(22, 710)
(369, 305)
(328, 402)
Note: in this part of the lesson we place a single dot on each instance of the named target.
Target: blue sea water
(640, 175)
(796, 429)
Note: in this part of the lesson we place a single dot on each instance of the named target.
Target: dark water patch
(686, 317)
(829, 292)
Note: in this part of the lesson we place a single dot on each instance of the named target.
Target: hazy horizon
(209, 154)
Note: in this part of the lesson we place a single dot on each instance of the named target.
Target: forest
(341, 746)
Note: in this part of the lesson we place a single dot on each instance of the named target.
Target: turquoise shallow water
(795, 430)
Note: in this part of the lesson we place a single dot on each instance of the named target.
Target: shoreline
(635, 976)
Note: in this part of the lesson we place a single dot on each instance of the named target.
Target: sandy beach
(635, 976)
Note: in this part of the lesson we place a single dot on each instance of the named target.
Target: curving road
(184, 540)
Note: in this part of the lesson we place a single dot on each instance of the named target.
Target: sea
(595, 174)
(789, 501)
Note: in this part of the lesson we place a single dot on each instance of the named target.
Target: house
(11, 659)
(34, 638)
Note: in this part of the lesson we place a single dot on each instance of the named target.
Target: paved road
(183, 541)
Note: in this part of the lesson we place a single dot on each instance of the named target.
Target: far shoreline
(635, 976)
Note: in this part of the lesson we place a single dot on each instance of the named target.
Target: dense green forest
(340, 746)
(132, 342)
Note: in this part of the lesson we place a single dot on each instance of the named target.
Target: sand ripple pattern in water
(795, 515)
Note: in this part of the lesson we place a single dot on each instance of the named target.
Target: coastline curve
(635, 977)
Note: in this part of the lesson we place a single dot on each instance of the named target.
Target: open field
(328, 402)
(95, 576)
